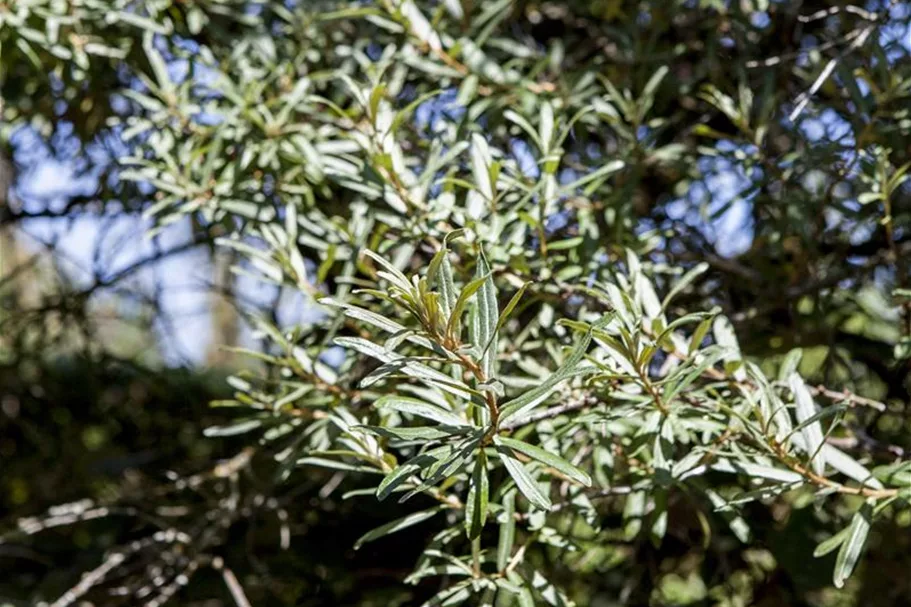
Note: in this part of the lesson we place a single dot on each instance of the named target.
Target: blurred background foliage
(774, 147)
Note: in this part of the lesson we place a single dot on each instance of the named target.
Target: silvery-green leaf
(684, 282)
(488, 315)
(757, 471)
(546, 124)
(396, 525)
(524, 481)
(241, 427)
(480, 166)
(404, 472)
(853, 545)
(507, 530)
(428, 433)
(521, 404)
(850, 467)
(413, 406)
(464, 298)
(896, 475)
(736, 522)
(812, 432)
(419, 25)
(476, 503)
(546, 458)
(789, 364)
(827, 546)
(724, 336)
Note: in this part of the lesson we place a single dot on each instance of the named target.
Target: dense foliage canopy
(603, 302)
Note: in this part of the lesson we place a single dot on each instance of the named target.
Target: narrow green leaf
(419, 433)
(552, 595)
(396, 525)
(687, 374)
(393, 274)
(413, 406)
(897, 474)
(853, 545)
(504, 315)
(404, 471)
(850, 467)
(240, 427)
(819, 416)
(397, 362)
(546, 458)
(648, 93)
(546, 125)
(447, 290)
(464, 297)
(812, 430)
(663, 337)
(789, 364)
(367, 316)
(478, 492)
(524, 481)
(527, 401)
(487, 319)
(723, 331)
(333, 464)
(757, 471)
(448, 465)
(634, 511)
(453, 595)
(832, 543)
(600, 173)
(522, 123)
(684, 282)
(480, 166)
(507, 530)
(736, 522)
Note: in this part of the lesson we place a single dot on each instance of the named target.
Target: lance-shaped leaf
(849, 466)
(240, 427)
(392, 274)
(404, 471)
(684, 282)
(478, 493)
(897, 474)
(486, 319)
(524, 481)
(507, 530)
(724, 336)
(377, 320)
(397, 525)
(413, 406)
(504, 315)
(811, 432)
(448, 295)
(481, 166)
(853, 545)
(447, 466)
(527, 401)
(420, 433)
(464, 298)
(546, 458)
(399, 363)
(441, 256)
(737, 524)
(371, 318)
(757, 471)
(827, 546)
